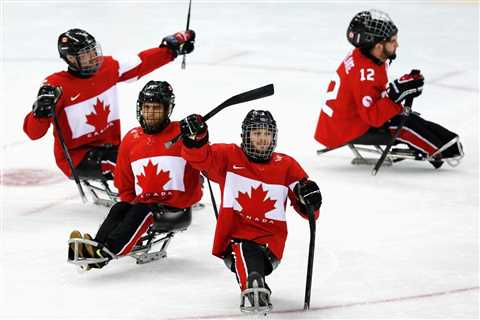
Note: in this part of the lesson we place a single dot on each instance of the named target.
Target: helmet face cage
(80, 51)
(368, 28)
(88, 59)
(261, 123)
(155, 92)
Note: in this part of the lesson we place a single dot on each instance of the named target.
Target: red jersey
(254, 195)
(355, 101)
(87, 111)
(147, 172)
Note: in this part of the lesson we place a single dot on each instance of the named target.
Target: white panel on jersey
(127, 64)
(175, 166)
(235, 183)
(77, 113)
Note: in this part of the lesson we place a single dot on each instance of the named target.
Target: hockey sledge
(100, 192)
(374, 143)
(150, 247)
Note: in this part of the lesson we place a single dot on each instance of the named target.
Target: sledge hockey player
(85, 101)
(255, 182)
(156, 185)
(360, 99)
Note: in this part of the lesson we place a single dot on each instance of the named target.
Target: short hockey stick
(311, 254)
(214, 203)
(250, 95)
(188, 26)
(69, 159)
(406, 112)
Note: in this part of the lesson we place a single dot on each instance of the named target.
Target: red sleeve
(124, 180)
(209, 158)
(371, 106)
(294, 175)
(35, 128)
(150, 60)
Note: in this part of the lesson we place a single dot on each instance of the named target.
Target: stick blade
(250, 95)
(255, 94)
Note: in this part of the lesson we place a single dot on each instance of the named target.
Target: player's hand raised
(44, 106)
(180, 42)
(194, 131)
(409, 85)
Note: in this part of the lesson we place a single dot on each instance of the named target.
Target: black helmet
(76, 43)
(155, 91)
(370, 27)
(258, 119)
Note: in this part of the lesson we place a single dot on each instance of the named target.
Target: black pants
(98, 163)
(244, 257)
(425, 136)
(124, 226)
(126, 223)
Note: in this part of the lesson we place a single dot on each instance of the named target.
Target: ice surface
(403, 244)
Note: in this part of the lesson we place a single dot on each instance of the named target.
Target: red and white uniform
(88, 110)
(254, 195)
(147, 172)
(356, 100)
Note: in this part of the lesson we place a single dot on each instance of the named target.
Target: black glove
(409, 85)
(47, 98)
(308, 193)
(180, 42)
(194, 131)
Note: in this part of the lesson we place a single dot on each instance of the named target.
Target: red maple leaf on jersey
(256, 205)
(151, 181)
(99, 117)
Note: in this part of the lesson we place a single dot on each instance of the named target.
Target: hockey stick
(188, 26)
(214, 203)
(67, 156)
(406, 112)
(250, 95)
(311, 254)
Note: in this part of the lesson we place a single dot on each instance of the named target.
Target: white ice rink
(403, 244)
